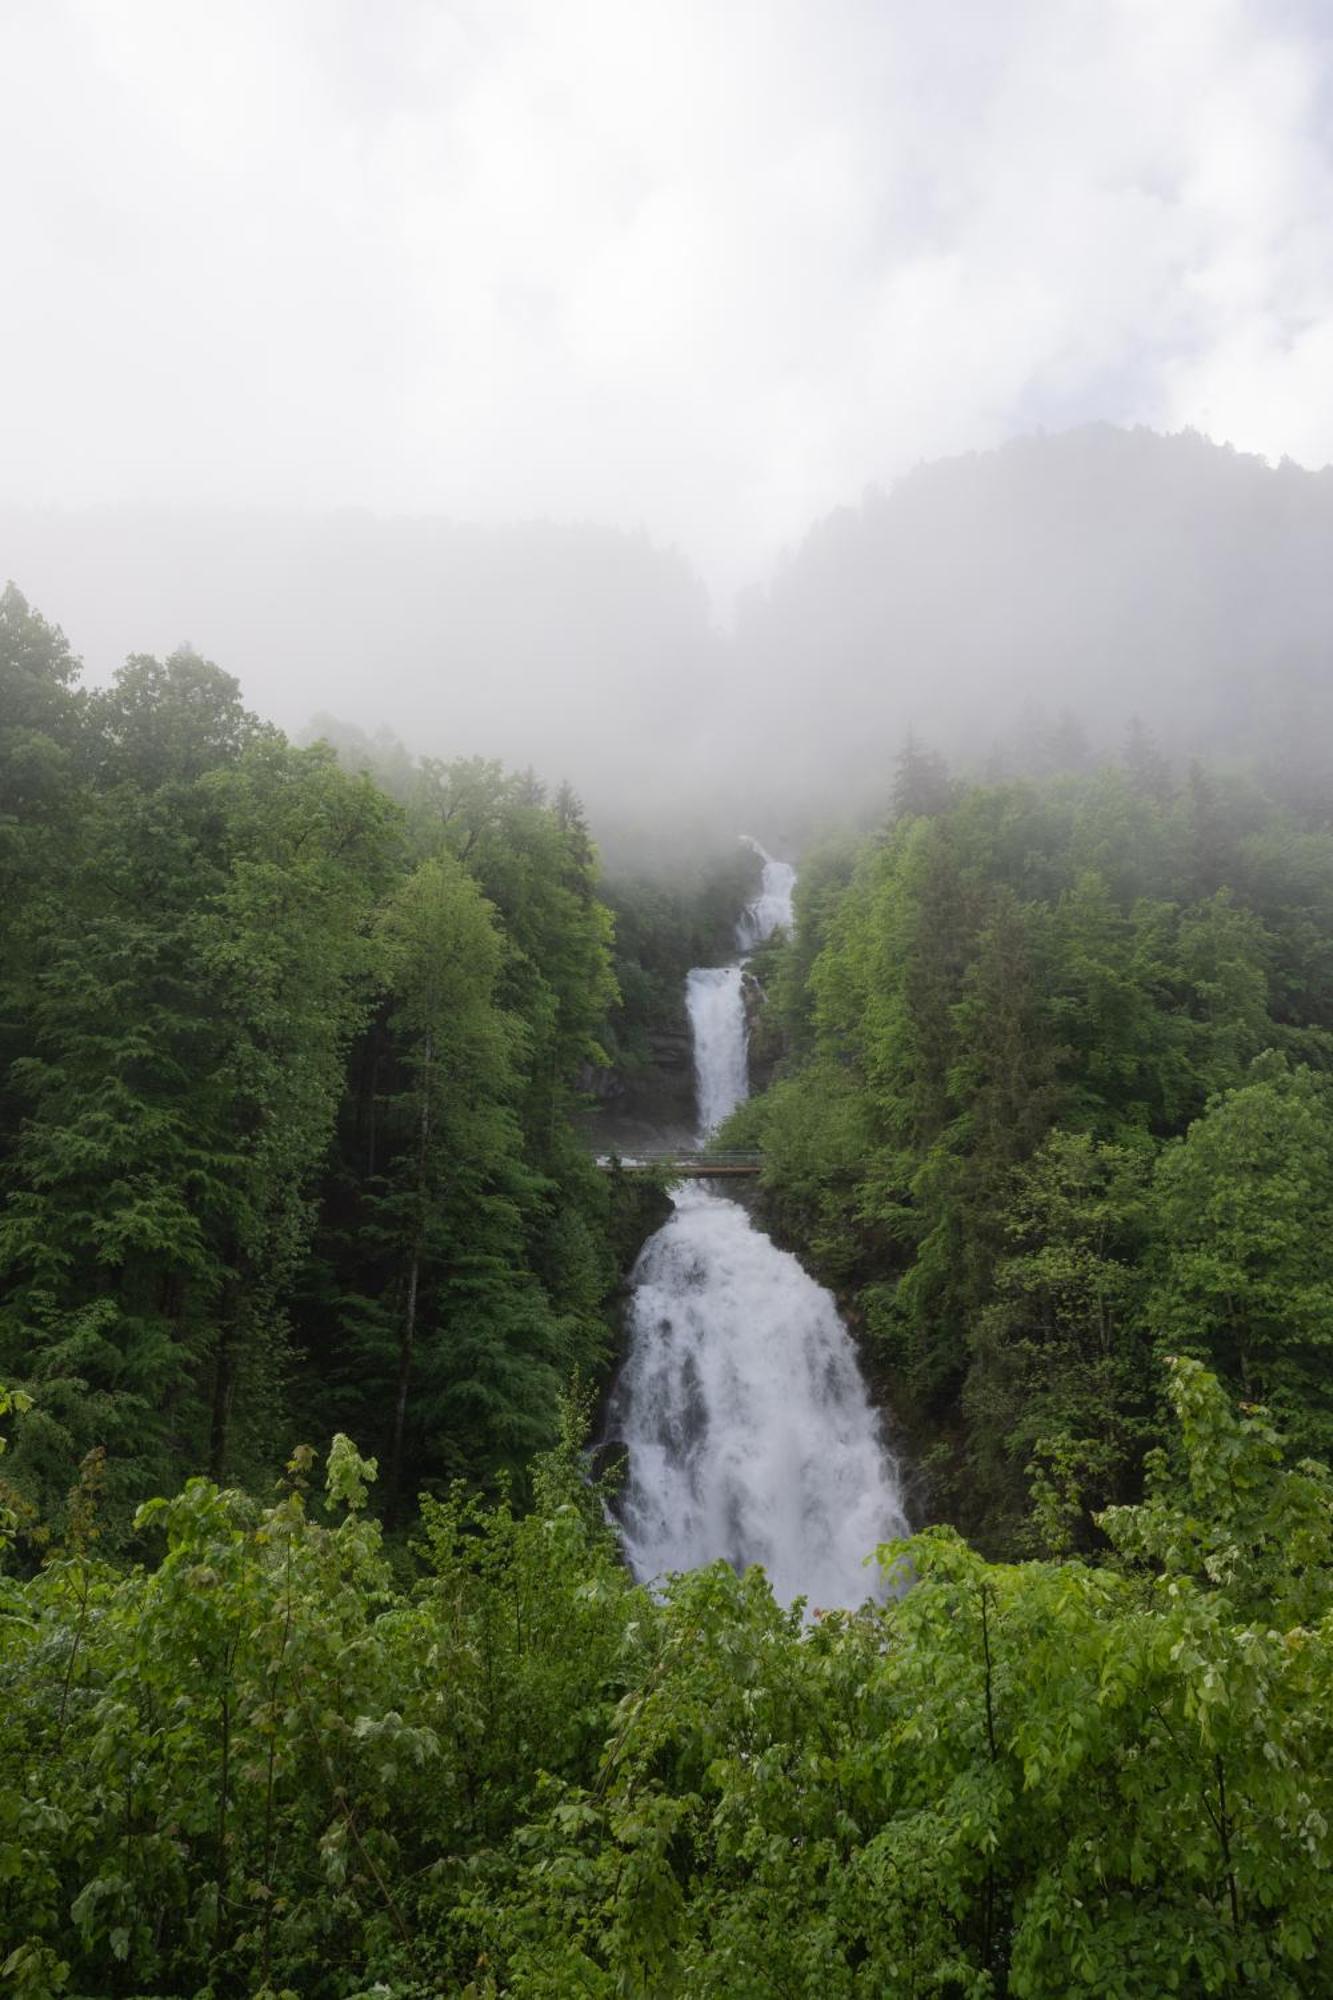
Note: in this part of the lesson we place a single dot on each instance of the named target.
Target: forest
(288, 1072)
(1055, 1103)
(320, 1670)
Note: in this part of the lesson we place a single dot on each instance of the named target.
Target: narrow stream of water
(749, 1429)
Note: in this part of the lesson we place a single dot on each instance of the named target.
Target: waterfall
(715, 1003)
(749, 1430)
(771, 909)
(715, 999)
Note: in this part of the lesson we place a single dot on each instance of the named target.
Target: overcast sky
(708, 266)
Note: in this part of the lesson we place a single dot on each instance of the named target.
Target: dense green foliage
(1056, 1101)
(290, 1057)
(287, 1070)
(260, 1763)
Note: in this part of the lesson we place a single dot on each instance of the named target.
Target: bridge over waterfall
(676, 1165)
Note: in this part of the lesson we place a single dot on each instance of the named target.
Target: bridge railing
(676, 1160)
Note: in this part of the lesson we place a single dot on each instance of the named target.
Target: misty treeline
(1016, 607)
(1057, 1103)
(673, 903)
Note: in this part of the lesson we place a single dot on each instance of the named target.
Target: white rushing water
(715, 1003)
(749, 1429)
(750, 1433)
(771, 909)
(715, 1000)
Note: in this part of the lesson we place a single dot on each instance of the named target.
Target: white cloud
(711, 268)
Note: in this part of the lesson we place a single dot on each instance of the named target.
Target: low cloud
(706, 270)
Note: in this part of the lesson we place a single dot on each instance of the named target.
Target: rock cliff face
(765, 1043)
(649, 1106)
(673, 1054)
(606, 1085)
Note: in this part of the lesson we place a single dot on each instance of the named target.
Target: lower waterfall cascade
(750, 1434)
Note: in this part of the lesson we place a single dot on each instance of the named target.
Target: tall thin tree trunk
(224, 1371)
(408, 1336)
(371, 1133)
(406, 1344)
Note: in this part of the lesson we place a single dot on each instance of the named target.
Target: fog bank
(1102, 572)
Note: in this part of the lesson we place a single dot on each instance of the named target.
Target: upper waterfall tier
(715, 999)
(715, 1002)
(771, 909)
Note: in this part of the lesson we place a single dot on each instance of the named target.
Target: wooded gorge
(321, 1672)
